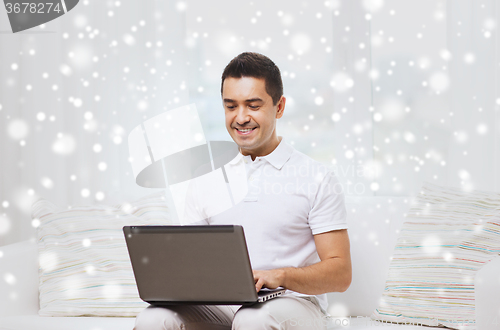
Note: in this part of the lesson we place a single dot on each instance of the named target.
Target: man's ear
(281, 107)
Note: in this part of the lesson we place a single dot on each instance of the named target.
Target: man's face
(251, 115)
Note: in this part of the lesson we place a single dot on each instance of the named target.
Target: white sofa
(373, 229)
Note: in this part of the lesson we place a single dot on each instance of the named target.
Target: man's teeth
(245, 130)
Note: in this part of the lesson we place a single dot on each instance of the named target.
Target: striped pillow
(449, 234)
(84, 267)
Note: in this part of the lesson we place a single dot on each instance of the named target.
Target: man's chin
(245, 147)
(248, 144)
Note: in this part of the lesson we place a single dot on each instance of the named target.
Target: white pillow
(449, 234)
(84, 266)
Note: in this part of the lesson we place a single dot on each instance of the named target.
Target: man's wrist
(283, 276)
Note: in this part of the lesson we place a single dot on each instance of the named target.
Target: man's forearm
(329, 275)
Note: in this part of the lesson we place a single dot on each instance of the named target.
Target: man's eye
(254, 106)
(230, 106)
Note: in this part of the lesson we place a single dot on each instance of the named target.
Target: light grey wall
(110, 65)
(99, 86)
(443, 126)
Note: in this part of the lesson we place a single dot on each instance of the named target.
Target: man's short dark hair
(258, 66)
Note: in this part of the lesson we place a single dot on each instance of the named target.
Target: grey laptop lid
(192, 265)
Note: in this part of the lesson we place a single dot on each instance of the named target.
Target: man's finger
(259, 285)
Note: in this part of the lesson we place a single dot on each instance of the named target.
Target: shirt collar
(236, 159)
(278, 157)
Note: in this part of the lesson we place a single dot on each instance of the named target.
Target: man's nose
(242, 117)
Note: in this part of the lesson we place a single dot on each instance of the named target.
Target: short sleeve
(193, 212)
(328, 211)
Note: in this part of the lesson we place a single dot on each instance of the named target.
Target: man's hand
(270, 279)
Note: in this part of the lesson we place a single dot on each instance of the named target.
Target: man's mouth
(245, 131)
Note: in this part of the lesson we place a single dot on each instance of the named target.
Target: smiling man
(294, 215)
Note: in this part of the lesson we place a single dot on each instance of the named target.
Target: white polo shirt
(290, 198)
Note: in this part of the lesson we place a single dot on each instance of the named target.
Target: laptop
(193, 265)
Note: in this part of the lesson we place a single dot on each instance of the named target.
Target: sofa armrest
(487, 287)
(19, 279)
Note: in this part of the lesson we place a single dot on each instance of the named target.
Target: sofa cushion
(449, 234)
(374, 224)
(84, 267)
(18, 280)
(121, 323)
(487, 288)
(36, 322)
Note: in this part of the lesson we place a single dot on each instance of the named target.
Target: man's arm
(332, 274)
